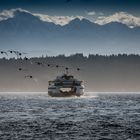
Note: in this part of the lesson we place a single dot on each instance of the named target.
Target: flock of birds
(20, 54)
(17, 53)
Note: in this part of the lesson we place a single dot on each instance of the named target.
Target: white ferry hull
(56, 92)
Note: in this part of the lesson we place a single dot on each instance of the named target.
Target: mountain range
(22, 30)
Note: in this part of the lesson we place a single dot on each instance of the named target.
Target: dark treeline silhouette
(119, 73)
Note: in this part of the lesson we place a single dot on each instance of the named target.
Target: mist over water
(100, 73)
(92, 116)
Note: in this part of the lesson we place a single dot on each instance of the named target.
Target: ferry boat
(65, 86)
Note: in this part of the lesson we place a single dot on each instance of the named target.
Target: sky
(74, 7)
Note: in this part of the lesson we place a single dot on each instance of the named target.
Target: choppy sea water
(39, 117)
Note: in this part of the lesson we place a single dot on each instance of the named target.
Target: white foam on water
(89, 95)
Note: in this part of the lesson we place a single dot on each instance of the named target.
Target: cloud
(122, 17)
(92, 13)
(5, 14)
(59, 20)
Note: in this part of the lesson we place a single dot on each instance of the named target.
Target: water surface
(91, 117)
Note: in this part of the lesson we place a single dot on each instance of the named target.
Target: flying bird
(21, 53)
(39, 63)
(10, 51)
(17, 53)
(78, 69)
(29, 76)
(3, 52)
(22, 69)
(52, 65)
(26, 58)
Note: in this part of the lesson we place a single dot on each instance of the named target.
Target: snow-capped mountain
(22, 30)
(59, 20)
(121, 17)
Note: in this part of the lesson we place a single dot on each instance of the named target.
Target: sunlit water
(91, 117)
